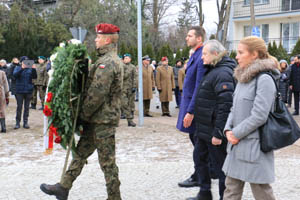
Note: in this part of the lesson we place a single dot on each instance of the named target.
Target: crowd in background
(23, 78)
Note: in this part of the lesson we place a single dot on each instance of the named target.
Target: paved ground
(151, 159)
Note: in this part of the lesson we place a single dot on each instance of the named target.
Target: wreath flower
(49, 97)
(47, 111)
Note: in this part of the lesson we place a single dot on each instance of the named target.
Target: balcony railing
(265, 7)
(287, 43)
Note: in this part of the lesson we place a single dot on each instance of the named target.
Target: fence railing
(265, 7)
(287, 43)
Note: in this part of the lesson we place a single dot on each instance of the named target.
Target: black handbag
(281, 129)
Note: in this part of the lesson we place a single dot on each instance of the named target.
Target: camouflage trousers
(128, 106)
(42, 91)
(105, 146)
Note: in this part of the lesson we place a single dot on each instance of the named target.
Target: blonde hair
(114, 37)
(256, 44)
(276, 62)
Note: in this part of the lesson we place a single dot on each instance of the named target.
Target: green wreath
(65, 92)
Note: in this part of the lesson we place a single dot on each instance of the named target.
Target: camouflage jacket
(130, 76)
(42, 75)
(103, 91)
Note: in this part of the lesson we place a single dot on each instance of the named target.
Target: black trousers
(177, 96)
(197, 162)
(290, 94)
(217, 155)
(23, 99)
(296, 101)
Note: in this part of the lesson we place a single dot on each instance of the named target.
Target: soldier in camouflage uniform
(129, 88)
(40, 83)
(100, 114)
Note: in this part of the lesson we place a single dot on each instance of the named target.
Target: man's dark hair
(199, 32)
(177, 61)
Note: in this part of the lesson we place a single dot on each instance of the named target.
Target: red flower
(57, 140)
(49, 97)
(47, 111)
(53, 130)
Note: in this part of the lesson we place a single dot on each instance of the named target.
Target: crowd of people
(222, 103)
(23, 79)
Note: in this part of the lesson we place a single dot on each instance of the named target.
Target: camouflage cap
(146, 57)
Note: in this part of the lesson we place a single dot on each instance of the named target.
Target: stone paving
(151, 159)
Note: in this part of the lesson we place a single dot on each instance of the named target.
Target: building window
(247, 31)
(288, 5)
(290, 35)
(247, 2)
(265, 32)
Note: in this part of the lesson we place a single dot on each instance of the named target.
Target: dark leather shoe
(57, 190)
(295, 113)
(25, 125)
(190, 182)
(131, 123)
(206, 195)
(33, 106)
(168, 115)
(148, 115)
(122, 117)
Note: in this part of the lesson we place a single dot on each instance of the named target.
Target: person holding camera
(40, 83)
(24, 87)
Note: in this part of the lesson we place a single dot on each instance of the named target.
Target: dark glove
(180, 91)
(173, 89)
(44, 87)
(133, 90)
(153, 89)
(7, 101)
(159, 90)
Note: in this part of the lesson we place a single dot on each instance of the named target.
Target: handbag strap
(277, 98)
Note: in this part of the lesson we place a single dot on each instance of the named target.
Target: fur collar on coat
(245, 75)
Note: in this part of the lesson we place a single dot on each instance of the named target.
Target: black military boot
(3, 126)
(17, 124)
(33, 106)
(42, 108)
(57, 190)
(131, 123)
(25, 124)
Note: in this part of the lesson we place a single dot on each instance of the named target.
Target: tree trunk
(227, 15)
(221, 13)
(252, 14)
(200, 13)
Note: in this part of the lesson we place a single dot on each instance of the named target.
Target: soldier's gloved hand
(7, 101)
(153, 89)
(133, 90)
(173, 89)
(44, 87)
(180, 91)
(159, 90)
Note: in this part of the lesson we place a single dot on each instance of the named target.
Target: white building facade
(277, 20)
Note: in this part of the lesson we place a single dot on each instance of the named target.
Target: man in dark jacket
(212, 106)
(176, 69)
(12, 79)
(295, 82)
(194, 74)
(24, 87)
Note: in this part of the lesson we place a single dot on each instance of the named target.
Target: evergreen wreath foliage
(64, 90)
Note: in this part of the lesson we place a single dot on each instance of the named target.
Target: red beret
(164, 58)
(107, 29)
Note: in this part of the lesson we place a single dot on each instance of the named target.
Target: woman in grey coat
(253, 99)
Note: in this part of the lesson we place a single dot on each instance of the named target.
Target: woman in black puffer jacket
(284, 80)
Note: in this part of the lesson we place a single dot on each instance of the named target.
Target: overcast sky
(210, 13)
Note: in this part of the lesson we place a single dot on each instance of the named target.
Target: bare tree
(200, 12)
(227, 14)
(158, 10)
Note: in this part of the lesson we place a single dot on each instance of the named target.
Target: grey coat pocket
(248, 150)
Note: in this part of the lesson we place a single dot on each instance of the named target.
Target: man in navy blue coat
(194, 73)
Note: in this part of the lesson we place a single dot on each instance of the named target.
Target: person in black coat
(212, 107)
(12, 79)
(24, 87)
(284, 80)
(295, 82)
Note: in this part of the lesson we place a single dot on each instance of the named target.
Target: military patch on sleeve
(224, 87)
(101, 66)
